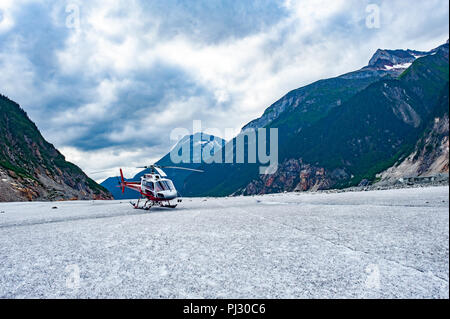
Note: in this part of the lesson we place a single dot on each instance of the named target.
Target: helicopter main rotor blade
(99, 172)
(184, 168)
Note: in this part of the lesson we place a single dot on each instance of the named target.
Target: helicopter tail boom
(136, 186)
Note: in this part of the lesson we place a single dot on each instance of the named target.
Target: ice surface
(379, 244)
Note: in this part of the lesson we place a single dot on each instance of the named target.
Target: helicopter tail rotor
(122, 183)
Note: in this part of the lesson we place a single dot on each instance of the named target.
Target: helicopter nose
(166, 195)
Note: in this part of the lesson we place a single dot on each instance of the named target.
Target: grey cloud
(213, 20)
(146, 95)
(35, 35)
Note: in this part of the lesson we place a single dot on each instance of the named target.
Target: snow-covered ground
(379, 244)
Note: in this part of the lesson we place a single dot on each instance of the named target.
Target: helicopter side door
(149, 188)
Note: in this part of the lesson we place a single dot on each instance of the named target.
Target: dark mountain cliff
(33, 169)
(431, 152)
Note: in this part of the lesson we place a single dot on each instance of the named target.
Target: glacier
(375, 244)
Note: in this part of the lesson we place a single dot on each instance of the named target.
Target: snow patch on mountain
(398, 66)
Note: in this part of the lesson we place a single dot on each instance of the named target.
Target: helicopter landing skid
(146, 206)
(149, 204)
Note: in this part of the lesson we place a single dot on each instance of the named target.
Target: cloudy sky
(107, 81)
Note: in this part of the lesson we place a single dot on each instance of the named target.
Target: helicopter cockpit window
(149, 185)
(164, 186)
(171, 186)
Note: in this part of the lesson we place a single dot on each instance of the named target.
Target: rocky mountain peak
(385, 59)
(399, 59)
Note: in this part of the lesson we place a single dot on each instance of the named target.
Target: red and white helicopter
(155, 188)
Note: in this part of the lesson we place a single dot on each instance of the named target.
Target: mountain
(208, 145)
(343, 131)
(310, 103)
(33, 169)
(431, 152)
(394, 59)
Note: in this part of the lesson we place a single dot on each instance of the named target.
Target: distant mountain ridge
(383, 63)
(33, 169)
(389, 58)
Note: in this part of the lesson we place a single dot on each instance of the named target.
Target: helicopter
(155, 188)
